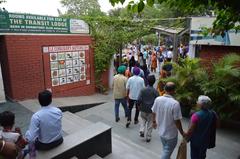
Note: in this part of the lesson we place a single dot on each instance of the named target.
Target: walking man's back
(146, 99)
(167, 116)
(134, 86)
(119, 92)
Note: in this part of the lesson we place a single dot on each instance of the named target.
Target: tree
(149, 39)
(110, 34)
(82, 7)
(148, 13)
(157, 11)
(115, 12)
(227, 12)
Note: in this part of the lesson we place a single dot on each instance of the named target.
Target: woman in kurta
(154, 62)
(202, 130)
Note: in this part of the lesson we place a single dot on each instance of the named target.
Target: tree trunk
(120, 55)
(175, 50)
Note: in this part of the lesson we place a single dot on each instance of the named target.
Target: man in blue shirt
(134, 86)
(45, 129)
(145, 56)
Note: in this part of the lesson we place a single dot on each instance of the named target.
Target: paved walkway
(126, 142)
(228, 142)
(22, 115)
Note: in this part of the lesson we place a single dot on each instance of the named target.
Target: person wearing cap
(167, 117)
(119, 92)
(202, 130)
(134, 85)
(141, 74)
(146, 99)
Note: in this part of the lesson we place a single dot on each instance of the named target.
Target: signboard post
(28, 23)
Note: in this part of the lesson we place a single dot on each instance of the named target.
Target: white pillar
(111, 74)
(2, 92)
(191, 51)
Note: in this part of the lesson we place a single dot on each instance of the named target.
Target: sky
(45, 7)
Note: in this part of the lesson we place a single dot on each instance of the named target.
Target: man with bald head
(167, 117)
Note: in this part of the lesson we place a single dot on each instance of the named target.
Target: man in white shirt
(134, 86)
(45, 129)
(167, 117)
(169, 55)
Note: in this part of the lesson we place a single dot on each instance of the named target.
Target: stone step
(95, 157)
(93, 139)
(123, 148)
(76, 119)
(72, 123)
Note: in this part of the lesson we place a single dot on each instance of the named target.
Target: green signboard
(29, 23)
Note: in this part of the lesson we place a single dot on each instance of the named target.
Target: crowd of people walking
(133, 86)
(158, 108)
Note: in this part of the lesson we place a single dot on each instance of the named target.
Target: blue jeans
(168, 147)
(123, 101)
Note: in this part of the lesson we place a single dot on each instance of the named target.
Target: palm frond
(234, 97)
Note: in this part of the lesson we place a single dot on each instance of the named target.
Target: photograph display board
(67, 67)
(67, 64)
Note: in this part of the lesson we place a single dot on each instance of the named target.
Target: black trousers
(131, 104)
(43, 146)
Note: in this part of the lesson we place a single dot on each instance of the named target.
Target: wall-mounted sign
(29, 23)
(67, 63)
(65, 48)
(78, 26)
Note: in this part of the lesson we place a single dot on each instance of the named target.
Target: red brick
(25, 70)
(209, 54)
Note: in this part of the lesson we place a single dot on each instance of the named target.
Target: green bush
(188, 76)
(222, 85)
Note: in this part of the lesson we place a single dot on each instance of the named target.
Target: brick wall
(105, 80)
(209, 54)
(24, 65)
